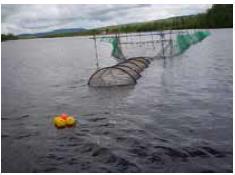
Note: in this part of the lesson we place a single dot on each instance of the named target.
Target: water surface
(178, 118)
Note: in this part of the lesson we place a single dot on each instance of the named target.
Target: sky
(19, 18)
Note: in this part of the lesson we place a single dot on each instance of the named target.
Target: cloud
(18, 19)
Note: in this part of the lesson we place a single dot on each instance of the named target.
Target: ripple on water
(160, 125)
(15, 118)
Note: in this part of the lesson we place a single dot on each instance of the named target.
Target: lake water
(177, 118)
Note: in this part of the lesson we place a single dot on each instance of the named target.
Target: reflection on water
(178, 118)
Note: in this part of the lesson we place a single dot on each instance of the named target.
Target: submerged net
(124, 73)
(134, 54)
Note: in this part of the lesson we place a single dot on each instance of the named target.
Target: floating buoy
(64, 116)
(59, 122)
(70, 121)
(63, 120)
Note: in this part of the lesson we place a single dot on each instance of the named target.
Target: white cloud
(19, 19)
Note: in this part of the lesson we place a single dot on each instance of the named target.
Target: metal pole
(163, 52)
(126, 39)
(140, 39)
(96, 53)
(171, 43)
(152, 40)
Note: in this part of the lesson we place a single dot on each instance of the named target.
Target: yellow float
(64, 120)
(70, 121)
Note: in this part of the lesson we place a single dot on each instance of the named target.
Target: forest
(5, 37)
(219, 16)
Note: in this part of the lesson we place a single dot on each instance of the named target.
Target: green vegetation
(220, 16)
(184, 41)
(62, 35)
(8, 37)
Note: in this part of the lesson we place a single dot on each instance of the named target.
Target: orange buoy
(64, 116)
(59, 122)
(64, 120)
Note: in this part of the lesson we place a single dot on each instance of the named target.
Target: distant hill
(218, 16)
(54, 32)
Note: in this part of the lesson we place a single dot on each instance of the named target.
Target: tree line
(218, 16)
(8, 37)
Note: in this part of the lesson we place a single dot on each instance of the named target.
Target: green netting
(183, 42)
(116, 49)
(194, 38)
(201, 35)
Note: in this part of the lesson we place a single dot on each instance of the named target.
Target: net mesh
(184, 41)
(116, 47)
(124, 73)
(134, 54)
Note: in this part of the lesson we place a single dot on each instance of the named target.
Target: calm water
(178, 118)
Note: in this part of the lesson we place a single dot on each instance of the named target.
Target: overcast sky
(18, 19)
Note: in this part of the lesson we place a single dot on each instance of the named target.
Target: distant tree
(220, 16)
(8, 37)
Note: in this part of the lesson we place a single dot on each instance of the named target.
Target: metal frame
(141, 60)
(131, 63)
(135, 60)
(123, 65)
(140, 34)
(112, 67)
